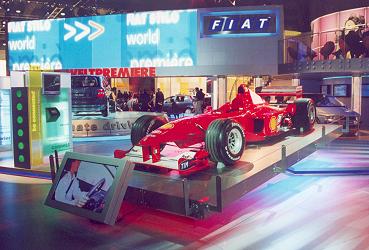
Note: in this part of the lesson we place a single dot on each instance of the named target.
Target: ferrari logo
(167, 126)
(273, 123)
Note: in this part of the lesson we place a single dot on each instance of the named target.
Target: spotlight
(62, 14)
(18, 11)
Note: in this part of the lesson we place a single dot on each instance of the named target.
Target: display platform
(200, 194)
(118, 123)
(341, 157)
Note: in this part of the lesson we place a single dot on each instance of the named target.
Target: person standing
(159, 100)
(133, 103)
(200, 96)
(175, 110)
(196, 102)
(145, 101)
(366, 44)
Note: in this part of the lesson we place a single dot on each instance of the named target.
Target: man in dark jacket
(200, 96)
(145, 99)
(159, 100)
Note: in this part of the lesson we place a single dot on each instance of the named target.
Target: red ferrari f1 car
(219, 135)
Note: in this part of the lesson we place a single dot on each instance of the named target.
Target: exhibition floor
(287, 212)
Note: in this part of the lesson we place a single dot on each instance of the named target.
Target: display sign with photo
(90, 186)
(144, 39)
(51, 83)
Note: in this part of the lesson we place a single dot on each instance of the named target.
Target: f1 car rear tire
(305, 115)
(225, 141)
(144, 125)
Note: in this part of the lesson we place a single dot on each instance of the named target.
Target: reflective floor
(288, 212)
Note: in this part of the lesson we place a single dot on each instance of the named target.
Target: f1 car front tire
(305, 115)
(144, 125)
(225, 141)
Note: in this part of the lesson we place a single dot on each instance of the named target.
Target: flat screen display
(50, 84)
(85, 184)
(365, 90)
(341, 90)
(90, 186)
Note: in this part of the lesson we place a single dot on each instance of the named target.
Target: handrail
(327, 45)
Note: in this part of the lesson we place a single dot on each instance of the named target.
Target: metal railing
(331, 45)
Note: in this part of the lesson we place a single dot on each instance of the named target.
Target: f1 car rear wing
(295, 91)
(280, 95)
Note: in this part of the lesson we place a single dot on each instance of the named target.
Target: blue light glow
(337, 77)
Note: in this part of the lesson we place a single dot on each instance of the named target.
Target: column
(219, 95)
(296, 82)
(356, 94)
(258, 82)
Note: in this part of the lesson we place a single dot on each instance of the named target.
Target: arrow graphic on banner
(85, 31)
(99, 30)
(72, 31)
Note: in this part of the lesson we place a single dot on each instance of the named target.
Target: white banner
(118, 125)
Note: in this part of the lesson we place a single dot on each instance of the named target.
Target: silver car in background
(330, 110)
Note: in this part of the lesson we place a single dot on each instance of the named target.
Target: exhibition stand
(209, 191)
(41, 116)
(196, 195)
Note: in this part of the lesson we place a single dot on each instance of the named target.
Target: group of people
(357, 46)
(143, 101)
(152, 101)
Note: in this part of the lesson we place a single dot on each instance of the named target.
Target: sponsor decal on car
(184, 165)
(273, 123)
(167, 126)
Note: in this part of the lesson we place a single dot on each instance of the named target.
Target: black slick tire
(144, 125)
(225, 141)
(305, 115)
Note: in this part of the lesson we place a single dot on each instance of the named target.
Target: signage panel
(5, 116)
(239, 24)
(145, 39)
(115, 72)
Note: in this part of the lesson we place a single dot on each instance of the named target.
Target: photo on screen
(90, 186)
(365, 90)
(85, 184)
(50, 83)
(341, 90)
